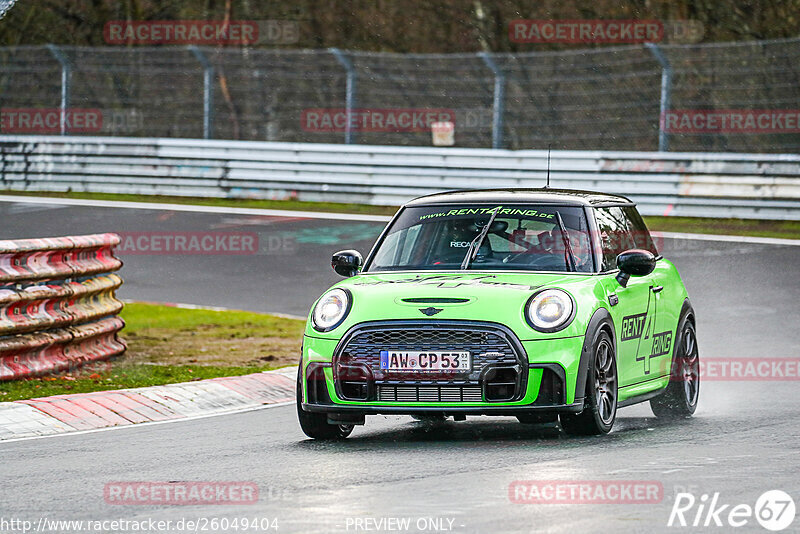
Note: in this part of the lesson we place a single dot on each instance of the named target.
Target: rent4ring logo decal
(774, 510)
(661, 344)
(634, 326)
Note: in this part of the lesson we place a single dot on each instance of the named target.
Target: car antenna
(548, 165)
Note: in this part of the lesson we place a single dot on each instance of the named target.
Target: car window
(522, 237)
(615, 236)
(399, 246)
(639, 231)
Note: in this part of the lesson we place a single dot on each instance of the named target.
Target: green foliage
(398, 26)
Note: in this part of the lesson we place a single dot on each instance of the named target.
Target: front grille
(429, 393)
(490, 346)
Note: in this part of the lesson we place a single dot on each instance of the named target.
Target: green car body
(483, 311)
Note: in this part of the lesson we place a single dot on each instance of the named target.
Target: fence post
(498, 103)
(666, 94)
(350, 91)
(208, 91)
(66, 82)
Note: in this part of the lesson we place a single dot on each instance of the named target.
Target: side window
(388, 252)
(614, 235)
(641, 235)
(410, 240)
(397, 247)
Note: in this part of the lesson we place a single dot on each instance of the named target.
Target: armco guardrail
(764, 186)
(57, 304)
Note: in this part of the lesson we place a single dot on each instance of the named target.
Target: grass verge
(693, 225)
(295, 205)
(168, 345)
(745, 227)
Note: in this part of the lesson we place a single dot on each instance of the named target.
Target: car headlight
(550, 310)
(331, 309)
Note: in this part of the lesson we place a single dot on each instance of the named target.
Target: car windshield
(521, 237)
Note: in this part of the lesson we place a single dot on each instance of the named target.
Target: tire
(679, 400)
(537, 418)
(600, 406)
(315, 425)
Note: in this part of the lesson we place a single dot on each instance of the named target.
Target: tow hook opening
(501, 383)
(355, 380)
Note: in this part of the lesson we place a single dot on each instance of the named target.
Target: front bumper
(318, 393)
(547, 368)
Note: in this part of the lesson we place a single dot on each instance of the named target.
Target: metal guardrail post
(66, 82)
(208, 92)
(498, 103)
(666, 94)
(350, 91)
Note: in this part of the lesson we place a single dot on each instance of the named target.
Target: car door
(633, 307)
(655, 352)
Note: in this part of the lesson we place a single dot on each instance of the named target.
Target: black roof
(571, 197)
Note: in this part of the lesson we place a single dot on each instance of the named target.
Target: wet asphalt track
(744, 440)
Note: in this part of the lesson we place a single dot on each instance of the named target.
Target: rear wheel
(680, 398)
(600, 402)
(316, 425)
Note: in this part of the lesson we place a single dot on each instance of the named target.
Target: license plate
(410, 360)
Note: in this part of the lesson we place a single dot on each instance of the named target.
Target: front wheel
(600, 403)
(316, 425)
(680, 398)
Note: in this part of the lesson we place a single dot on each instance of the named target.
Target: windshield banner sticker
(518, 212)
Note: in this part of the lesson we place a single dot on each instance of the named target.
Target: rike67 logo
(774, 510)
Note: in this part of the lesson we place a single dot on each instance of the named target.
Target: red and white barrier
(57, 304)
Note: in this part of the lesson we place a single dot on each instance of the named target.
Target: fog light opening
(501, 383)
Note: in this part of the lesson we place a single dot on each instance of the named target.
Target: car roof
(570, 197)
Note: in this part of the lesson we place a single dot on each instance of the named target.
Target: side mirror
(634, 262)
(347, 262)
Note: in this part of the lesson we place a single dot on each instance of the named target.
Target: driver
(549, 249)
(456, 241)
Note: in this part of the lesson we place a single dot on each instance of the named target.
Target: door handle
(657, 289)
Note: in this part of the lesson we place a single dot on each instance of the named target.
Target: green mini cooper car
(542, 304)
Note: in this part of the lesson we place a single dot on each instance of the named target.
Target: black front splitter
(576, 407)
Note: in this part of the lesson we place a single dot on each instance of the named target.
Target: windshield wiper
(570, 257)
(476, 243)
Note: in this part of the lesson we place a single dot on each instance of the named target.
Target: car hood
(480, 296)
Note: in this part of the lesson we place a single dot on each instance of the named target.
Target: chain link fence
(604, 98)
